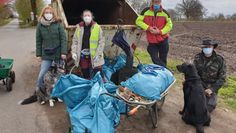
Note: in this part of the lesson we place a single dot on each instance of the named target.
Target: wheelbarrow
(136, 102)
(7, 75)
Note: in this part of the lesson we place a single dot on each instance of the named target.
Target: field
(185, 42)
(186, 38)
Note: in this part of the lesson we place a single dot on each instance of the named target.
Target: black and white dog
(195, 109)
(43, 95)
(50, 80)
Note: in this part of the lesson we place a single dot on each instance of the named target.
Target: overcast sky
(213, 6)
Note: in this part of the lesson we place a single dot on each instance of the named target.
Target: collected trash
(111, 66)
(156, 78)
(88, 106)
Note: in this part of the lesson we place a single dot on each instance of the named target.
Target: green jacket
(212, 70)
(51, 37)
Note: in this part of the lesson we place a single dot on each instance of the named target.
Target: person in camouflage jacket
(211, 68)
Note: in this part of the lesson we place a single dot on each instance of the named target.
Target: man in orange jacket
(157, 24)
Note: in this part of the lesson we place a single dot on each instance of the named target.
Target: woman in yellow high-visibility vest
(88, 45)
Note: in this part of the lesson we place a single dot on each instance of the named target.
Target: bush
(228, 92)
(24, 8)
(4, 12)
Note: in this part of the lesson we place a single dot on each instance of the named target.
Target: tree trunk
(34, 10)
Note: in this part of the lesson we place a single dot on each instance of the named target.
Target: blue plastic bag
(71, 89)
(111, 67)
(98, 112)
(150, 81)
(88, 106)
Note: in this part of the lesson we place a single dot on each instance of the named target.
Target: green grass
(4, 21)
(144, 58)
(26, 25)
(227, 94)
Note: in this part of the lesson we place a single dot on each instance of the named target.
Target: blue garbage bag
(111, 67)
(99, 113)
(71, 89)
(150, 81)
(87, 105)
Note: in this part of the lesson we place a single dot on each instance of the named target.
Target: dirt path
(170, 121)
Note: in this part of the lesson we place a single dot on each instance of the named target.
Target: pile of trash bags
(88, 105)
(91, 109)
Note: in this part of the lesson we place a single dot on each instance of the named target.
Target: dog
(195, 109)
(50, 79)
(43, 95)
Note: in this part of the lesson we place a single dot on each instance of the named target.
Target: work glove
(74, 56)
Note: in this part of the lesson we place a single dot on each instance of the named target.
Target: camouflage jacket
(212, 70)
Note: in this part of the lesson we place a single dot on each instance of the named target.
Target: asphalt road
(19, 44)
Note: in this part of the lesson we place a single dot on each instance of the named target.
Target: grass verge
(25, 25)
(5, 21)
(228, 93)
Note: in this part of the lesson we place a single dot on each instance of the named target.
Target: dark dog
(195, 109)
(43, 94)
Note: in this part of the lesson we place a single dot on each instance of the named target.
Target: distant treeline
(192, 10)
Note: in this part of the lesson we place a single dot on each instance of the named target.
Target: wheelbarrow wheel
(13, 76)
(153, 112)
(9, 84)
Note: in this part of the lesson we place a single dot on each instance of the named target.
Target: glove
(74, 56)
(63, 56)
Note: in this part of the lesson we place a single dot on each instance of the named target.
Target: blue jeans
(45, 65)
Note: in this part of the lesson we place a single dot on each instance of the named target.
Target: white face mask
(207, 51)
(87, 19)
(48, 16)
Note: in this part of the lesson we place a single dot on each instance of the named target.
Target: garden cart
(6, 73)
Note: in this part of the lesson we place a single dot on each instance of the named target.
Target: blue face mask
(207, 51)
(156, 7)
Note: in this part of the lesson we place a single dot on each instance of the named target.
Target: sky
(227, 7)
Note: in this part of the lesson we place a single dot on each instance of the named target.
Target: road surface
(19, 44)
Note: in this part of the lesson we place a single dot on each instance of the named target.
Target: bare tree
(144, 5)
(221, 16)
(139, 5)
(233, 17)
(191, 9)
(34, 10)
(174, 14)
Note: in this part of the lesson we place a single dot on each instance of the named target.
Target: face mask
(87, 19)
(156, 7)
(48, 16)
(207, 51)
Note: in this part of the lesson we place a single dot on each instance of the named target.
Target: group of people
(88, 45)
